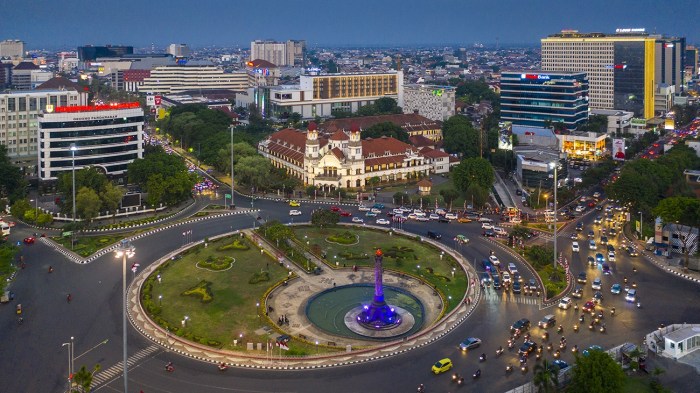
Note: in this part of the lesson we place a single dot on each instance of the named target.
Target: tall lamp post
(70, 360)
(555, 165)
(233, 205)
(641, 225)
(73, 148)
(124, 250)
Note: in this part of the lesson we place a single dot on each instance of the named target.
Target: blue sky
(68, 23)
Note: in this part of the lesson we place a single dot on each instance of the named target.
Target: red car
(28, 240)
(335, 209)
(345, 214)
(589, 307)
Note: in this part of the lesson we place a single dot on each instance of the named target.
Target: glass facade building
(532, 98)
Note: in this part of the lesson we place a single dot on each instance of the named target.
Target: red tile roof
(421, 141)
(407, 121)
(26, 65)
(433, 153)
(339, 136)
(58, 83)
(338, 153)
(260, 63)
(381, 145)
(384, 160)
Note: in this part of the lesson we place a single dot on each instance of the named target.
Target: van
(512, 269)
(434, 235)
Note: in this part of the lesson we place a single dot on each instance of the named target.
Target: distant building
(583, 145)
(535, 136)
(27, 76)
(130, 80)
(279, 53)
(534, 169)
(538, 98)
(262, 73)
(178, 50)
(618, 121)
(413, 124)
(322, 95)
(692, 66)
(177, 79)
(108, 137)
(431, 101)
(19, 111)
(91, 53)
(14, 49)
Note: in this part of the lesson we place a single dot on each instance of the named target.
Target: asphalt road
(35, 361)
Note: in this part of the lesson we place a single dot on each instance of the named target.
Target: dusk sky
(69, 23)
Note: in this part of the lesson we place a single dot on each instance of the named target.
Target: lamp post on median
(73, 148)
(70, 360)
(233, 205)
(124, 250)
(555, 165)
(641, 225)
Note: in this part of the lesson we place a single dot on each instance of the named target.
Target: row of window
(92, 123)
(110, 169)
(91, 161)
(13, 104)
(87, 133)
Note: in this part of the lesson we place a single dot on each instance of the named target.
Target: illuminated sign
(616, 66)
(633, 30)
(88, 108)
(49, 108)
(438, 92)
(535, 76)
(668, 45)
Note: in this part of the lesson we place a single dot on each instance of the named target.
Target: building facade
(413, 124)
(623, 68)
(431, 101)
(91, 53)
(583, 145)
(19, 113)
(532, 98)
(178, 50)
(342, 160)
(177, 79)
(108, 137)
(321, 95)
(14, 49)
(279, 53)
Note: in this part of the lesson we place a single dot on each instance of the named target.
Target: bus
(4, 229)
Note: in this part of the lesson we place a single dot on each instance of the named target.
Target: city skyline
(406, 23)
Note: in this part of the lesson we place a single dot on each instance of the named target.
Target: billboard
(618, 149)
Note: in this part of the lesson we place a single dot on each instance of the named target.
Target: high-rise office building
(691, 62)
(279, 53)
(14, 49)
(178, 50)
(623, 69)
(91, 53)
(431, 101)
(534, 98)
(176, 79)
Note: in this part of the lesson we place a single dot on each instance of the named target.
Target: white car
(580, 208)
(506, 278)
(574, 247)
(383, 221)
(418, 211)
(596, 194)
(516, 220)
(357, 220)
(295, 212)
(486, 225)
(494, 260)
(363, 208)
(376, 211)
(397, 211)
(499, 231)
(412, 216)
(420, 214)
(434, 216)
(422, 218)
(451, 216)
(565, 303)
(611, 256)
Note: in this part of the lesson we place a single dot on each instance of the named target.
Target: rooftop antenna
(496, 43)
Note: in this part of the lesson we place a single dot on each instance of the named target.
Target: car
(597, 297)
(574, 247)
(611, 248)
(486, 225)
(603, 240)
(596, 194)
(591, 261)
(494, 259)
(486, 279)
(344, 213)
(581, 278)
(470, 343)
(596, 284)
(516, 220)
(631, 296)
(516, 285)
(527, 347)
(512, 269)
(440, 211)
(547, 321)
(592, 348)
(579, 226)
(558, 364)
(580, 208)
(616, 289)
(565, 303)
(451, 216)
(506, 278)
(434, 235)
(500, 231)
(574, 236)
(520, 326)
(577, 293)
(371, 214)
(496, 282)
(29, 240)
(335, 209)
(444, 220)
(591, 245)
(294, 203)
(631, 251)
(599, 258)
(461, 239)
(383, 221)
(422, 218)
(363, 208)
(373, 210)
(589, 306)
(434, 216)
(295, 212)
(591, 234)
(464, 219)
(598, 220)
(532, 284)
(412, 216)
(606, 269)
(441, 366)
(611, 256)
(378, 206)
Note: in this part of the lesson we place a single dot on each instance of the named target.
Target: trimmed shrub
(346, 238)
(202, 290)
(259, 277)
(236, 244)
(216, 263)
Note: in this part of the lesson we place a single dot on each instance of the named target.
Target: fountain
(378, 314)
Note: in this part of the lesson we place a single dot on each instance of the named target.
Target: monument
(378, 314)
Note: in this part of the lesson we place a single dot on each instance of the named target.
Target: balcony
(328, 177)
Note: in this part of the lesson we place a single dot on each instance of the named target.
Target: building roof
(260, 63)
(26, 65)
(425, 183)
(380, 146)
(683, 333)
(421, 141)
(408, 121)
(433, 153)
(59, 83)
(338, 153)
(339, 136)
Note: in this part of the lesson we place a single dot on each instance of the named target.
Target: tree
(685, 212)
(83, 379)
(473, 171)
(460, 137)
(324, 218)
(155, 188)
(385, 129)
(276, 231)
(20, 207)
(111, 197)
(449, 195)
(253, 170)
(311, 191)
(596, 373)
(520, 231)
(88, 177)
(386, 106)
(546, 377)
(12, 183)
(373, 181)
(399, 197)
(475, 195)
(87, 204)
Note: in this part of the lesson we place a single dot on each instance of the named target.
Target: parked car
(383, 221)
(295, 212)
(358, 220)
(487, 225)
(451, 216)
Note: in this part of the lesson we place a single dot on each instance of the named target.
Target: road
(35, 361)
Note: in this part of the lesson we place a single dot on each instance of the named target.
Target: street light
(233, 205)
(70, 359)
(555, 165)
(641, 225)
(124, 250)
(73, 148)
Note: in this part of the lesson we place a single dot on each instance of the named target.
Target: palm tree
(546, 377)
(82, 380)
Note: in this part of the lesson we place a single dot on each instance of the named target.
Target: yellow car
(294, 203)
(464, 219)
(442, 366)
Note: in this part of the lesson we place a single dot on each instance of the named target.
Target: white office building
(177, 79)
(108, 137)
(278, 53)
(434, 102)
(178, 50)
(14, 49)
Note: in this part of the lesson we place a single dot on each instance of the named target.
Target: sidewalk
(294, 307)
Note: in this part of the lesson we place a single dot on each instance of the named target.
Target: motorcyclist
(50, 269)
(69, 298)
(483, 356)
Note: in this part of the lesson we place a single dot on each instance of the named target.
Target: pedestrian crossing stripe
(510, 298)
(109, 374)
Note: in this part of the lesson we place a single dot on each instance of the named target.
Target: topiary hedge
(346, 238)
(259, 277)
(201, 290)
(236, 244)
(216, 263)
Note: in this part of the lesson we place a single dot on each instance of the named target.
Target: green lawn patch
(88, 245)
(216, 263)
(7, 255)
(236, 244)
(202, 291)
(346, 238)
(541, 259)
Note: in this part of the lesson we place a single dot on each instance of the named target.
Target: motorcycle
(223, 367)
(510, 344)
(477, 374)
(590, 327)
(581, 318)
(527, 337)
(509, 369)
(549, 347)
(560, 329)
(421, 388)
(602, 328)
(169, 367)
(576, 328)
(482, 358)
(574, 349)
(19, 309)
(634, 285)
(499, 351)
(639, 305)
(545, 336)
(557, 354)
(612, 311)
(457, 378)
(523, 368)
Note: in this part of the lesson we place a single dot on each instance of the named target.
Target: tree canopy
(460, 137)
(683, 210)
(324, 218)
(473, 171)
(382, 106)
(596, 373)
(164, 174)
(385, 129)
(12, 183)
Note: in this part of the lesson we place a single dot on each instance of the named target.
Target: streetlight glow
(124, 250)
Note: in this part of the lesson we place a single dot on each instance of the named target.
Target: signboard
(669, 123)
(535, 76)
(151, 100)
(618, 149)
(631, 30)
(157, 100)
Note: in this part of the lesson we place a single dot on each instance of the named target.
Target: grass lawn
(401, 253)
(88, 245)
(637, 384)
(7, 255)
(232, 310)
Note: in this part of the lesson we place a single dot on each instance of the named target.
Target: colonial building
(343, 160)
(414, 124)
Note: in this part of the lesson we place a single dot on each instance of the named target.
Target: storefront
(583, 145)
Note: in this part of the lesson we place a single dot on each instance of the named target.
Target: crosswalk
(498, 296)
(109, 374)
